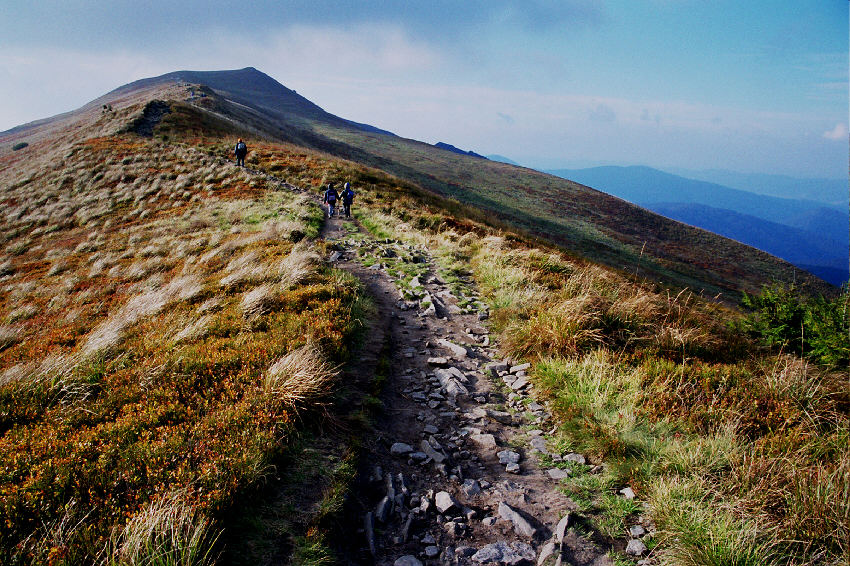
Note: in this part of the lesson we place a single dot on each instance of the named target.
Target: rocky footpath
(455, 474)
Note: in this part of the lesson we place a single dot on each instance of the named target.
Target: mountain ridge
(578, 218)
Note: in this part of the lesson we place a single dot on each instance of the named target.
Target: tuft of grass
(168, 532)
(697, 532)
(301, 377)
(298, 265)
(9, 336)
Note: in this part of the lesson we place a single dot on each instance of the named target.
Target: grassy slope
(579, 219)
(151, 298)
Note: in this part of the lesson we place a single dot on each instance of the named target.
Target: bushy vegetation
(166, 324)
(816, 328)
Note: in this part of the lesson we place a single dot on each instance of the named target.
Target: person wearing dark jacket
(347, 198)
(241, 151)
(331, 196)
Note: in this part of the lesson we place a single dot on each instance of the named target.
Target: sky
(759, 86)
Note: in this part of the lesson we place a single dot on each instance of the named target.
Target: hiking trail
(452, 473)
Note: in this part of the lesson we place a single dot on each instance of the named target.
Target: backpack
(241, 146)
(348, 196)
(331, 196)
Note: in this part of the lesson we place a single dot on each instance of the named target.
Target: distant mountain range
(829, 191)
(810, 234)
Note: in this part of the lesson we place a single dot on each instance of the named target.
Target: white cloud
(838, 133)
(382, 75)
(38, 83)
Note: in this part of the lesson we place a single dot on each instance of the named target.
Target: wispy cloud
(838, 133)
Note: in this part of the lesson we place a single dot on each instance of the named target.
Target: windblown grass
(128, 370)
(169, 532)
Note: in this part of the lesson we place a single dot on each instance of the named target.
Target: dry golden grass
(301, 377)
(169, 532)
(109, 333)
(297, 266)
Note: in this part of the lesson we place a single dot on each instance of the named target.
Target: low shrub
(815, 327)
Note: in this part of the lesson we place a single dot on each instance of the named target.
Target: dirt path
(453, 473)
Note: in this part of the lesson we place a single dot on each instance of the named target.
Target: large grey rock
(547, 552)
(407, 560)
(383, 509)
(508, 457)
(400, 449)
(636, 531)
(503, 553)
(520, 367)
(450, 383)
(538, 443)
(520, 384)
(426, 447)
(471, 487)
(458, 374)
(558, 474)
(628, 493)
(575, 457)
(635, 547)
(521, 524)
(444, 502)
(458, 351)
(438, 361)
(561, 529)
(484, 440)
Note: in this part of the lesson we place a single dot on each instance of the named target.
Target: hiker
(347, 198)
(241, 151)
(331, 196)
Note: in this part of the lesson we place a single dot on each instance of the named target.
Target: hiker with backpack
(331, 196)
(241, 151)
(347, 198)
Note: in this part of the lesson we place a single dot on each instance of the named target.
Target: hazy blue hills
(812, 235)
(830, 191)
(501, 159)
(808, 250)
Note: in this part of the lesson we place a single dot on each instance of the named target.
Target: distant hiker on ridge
(241, 151)
(331, 196)
(347, 198)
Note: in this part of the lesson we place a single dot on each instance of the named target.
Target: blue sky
(754, 86)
